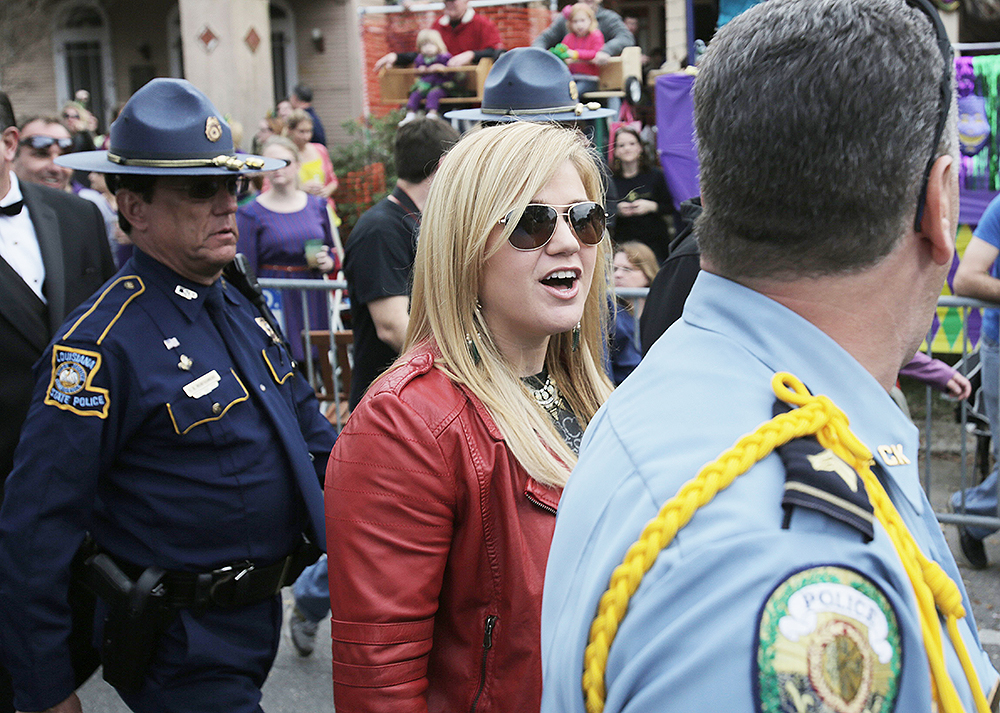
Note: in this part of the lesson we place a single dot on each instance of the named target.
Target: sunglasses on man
(43, 143)
(203, 189)
(537, 224)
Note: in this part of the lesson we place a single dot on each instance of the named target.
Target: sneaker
(410, 116)
(972, 548)
(303, 632)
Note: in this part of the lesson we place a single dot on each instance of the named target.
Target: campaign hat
(530, 84)
(169, 128)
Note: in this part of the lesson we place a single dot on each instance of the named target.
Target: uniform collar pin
(185, 292)
(171, 343)
(185, 363)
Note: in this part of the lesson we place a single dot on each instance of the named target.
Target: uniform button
(216, 408)
(263, 388)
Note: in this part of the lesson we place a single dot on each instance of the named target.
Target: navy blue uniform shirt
(173, 446)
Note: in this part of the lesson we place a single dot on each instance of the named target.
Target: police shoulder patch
(71, 388)
(828, 642)
(817, 478)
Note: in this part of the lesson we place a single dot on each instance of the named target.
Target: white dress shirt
(19, 243)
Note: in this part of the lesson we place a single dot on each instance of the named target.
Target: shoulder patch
(828, 642)
(816, 478)
(94, 324)
(70, 387)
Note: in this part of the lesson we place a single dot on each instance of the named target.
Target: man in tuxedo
(53, 255)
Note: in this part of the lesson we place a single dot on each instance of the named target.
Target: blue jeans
(982, 499)
(312, 591)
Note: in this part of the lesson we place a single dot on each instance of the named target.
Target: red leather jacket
(437, 542)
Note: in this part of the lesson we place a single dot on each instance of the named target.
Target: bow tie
(12, 209)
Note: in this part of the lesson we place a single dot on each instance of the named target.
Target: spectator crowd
(545, 497)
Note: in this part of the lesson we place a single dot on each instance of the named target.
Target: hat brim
(98, 162)
(478, 115)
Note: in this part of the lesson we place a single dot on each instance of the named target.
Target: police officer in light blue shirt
(170, 423)
(814, 575)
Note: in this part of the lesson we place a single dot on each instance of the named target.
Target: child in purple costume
(431, 87)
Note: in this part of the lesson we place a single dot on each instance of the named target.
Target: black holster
(140, 609)
(138, 614)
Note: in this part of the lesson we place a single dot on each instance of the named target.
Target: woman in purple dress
(285, 233)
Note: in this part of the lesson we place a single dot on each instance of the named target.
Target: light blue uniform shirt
(688, 641)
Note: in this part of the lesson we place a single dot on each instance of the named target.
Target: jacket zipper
(539, 503)
(491, 622)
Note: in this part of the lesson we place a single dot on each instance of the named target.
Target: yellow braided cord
(815, 415)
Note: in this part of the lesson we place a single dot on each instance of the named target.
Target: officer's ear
(134, 208)
(938, 224)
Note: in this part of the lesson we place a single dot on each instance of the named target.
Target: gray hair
(814, 122)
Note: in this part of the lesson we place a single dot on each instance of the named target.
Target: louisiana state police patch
(70, 387)
(828, 642)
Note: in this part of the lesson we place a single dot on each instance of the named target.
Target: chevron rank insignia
(817, 478)
(828, 642)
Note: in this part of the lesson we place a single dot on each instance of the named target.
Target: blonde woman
(635, 266)
(442, 492)
(316, 174)
(286, 233)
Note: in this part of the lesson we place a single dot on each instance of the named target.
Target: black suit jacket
(77, 258)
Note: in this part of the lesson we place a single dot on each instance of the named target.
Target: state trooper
(746, 530)
(169, 422)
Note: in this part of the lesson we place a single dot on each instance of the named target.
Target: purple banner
(675, 135)
(971, 205)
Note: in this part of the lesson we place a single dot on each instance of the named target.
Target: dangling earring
(470, 344)
(473, 351)
(576, 337)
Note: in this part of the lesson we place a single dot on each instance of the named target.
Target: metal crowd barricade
(963, 304)
(335, 289)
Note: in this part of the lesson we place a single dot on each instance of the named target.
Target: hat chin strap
(231, 162)
(577, 109)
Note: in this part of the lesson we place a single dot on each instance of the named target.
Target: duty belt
(235, 585)
(231, 586)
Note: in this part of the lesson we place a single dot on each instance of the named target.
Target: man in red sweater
(468, 36)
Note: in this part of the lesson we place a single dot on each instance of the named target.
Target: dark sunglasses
(203, 189)
(42, 143)
(944, 88)
(537, 224)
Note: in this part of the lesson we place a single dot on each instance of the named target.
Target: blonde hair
(489, 173)
(434, 36)
(297, 117)
(640, 256)
(584, 9)
(285, 143)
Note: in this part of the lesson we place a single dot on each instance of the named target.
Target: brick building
(245, 54)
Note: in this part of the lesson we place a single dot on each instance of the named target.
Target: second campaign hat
(169, 127)
(530, 84)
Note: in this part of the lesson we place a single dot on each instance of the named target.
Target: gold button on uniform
(263, 388)
(216, 408)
